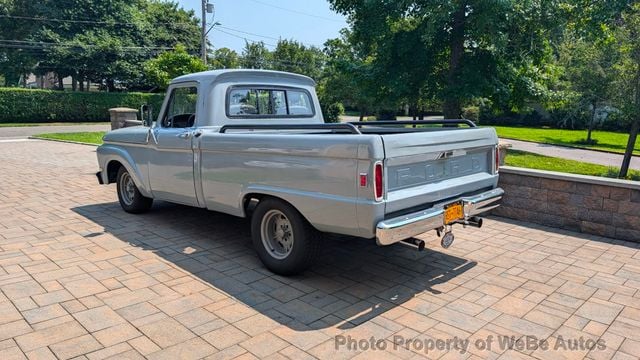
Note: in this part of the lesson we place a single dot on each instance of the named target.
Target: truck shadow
(352, 282)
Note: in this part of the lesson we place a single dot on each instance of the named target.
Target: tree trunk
(635, 127)
(593, 116)
(111, 86)
(633, 135)
(81, 84)
(452, 106)
(74, 83)
(60, 82)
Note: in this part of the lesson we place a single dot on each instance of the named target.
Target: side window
(299, 103)
(273, 103)
(181, 110)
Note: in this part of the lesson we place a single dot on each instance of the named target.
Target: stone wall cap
(122, 109)
(593, 180)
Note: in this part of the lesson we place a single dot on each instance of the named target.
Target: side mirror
(146, 115)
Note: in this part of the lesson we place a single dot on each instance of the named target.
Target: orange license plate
(452, 213)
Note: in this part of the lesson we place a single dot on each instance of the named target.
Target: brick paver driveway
(79, 277)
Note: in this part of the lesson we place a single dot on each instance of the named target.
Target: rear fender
(325, 212)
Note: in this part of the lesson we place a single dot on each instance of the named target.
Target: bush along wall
(26, 105)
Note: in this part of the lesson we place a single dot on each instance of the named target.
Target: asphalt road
(26, 131)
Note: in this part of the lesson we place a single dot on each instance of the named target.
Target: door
(171, 165)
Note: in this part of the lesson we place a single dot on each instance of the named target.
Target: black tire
(132, 202)
(304, 246)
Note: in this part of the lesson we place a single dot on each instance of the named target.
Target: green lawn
(83, 137)
(534, 161)
(51, 124)
(609, 141)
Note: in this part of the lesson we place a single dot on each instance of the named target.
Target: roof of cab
(245, 75)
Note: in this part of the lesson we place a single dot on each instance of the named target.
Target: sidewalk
(590, 156)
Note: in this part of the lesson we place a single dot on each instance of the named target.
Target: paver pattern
(81, 278)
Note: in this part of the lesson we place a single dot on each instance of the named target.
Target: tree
(589, 69)
(171, 64)
(348, 76)
(627, 84)
(295, 57)
(464, 48)
(16, 61)
(255, 56)
(225, 58)
(102, 41)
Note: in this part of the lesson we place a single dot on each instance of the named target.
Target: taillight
(378, 189)
(497, 159)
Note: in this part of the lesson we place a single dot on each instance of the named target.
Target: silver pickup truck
(254, 144)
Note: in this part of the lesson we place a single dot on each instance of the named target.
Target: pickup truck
(253, 143)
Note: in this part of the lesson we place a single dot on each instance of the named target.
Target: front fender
(108, 153)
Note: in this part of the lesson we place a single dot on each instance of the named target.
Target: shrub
(471, 113)
(332, 112)
(25, 105)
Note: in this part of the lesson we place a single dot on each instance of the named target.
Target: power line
(16, 17)
(296, 11)
(244, 38)
(249, 33)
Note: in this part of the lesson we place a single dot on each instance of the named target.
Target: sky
(310, 22)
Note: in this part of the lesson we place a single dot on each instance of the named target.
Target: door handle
(184, 135)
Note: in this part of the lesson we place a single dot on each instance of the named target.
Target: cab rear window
(252, 102)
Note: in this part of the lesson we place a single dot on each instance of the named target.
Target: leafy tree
(255, 56)
(348, 76)
(295, 57)
(16, 61)
(453, 51)
(225, 58)
(103, 41)
(172, 64)
(627, 83)
(589, 69)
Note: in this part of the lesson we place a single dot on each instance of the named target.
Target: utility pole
(203, 46)
(207, 8)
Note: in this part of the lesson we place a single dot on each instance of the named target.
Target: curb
(62, 141)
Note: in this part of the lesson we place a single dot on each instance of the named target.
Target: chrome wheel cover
(127, 188)
(277, 234)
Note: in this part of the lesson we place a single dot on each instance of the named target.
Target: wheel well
(112, 170)
(252, 200)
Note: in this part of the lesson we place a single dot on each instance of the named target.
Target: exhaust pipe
(413, 243)
(472, 221)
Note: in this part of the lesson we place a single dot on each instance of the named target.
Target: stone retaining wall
(593, 205)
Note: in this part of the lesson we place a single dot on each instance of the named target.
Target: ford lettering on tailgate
(447, 166)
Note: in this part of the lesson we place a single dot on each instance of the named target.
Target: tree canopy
(102, 41)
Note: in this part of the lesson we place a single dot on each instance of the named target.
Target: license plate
(452, 213)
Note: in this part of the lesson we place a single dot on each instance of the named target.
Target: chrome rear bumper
(391, 231)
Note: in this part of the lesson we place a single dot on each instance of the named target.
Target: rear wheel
(285, 242)
(130, 198)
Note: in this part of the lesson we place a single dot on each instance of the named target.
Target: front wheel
(130, 198)
(285, 242)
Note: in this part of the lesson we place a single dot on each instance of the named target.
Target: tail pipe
(413, 243)
(472, 221)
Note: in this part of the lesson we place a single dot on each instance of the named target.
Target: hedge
(26, 105)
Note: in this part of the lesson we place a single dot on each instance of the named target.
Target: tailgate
(429, 167)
